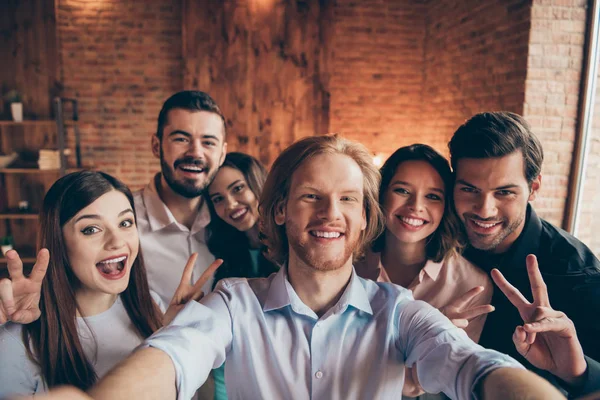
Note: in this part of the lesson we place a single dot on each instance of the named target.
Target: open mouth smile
(112, 268)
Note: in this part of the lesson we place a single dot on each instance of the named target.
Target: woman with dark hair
(95, 303)
(420, 247)
(233, 233)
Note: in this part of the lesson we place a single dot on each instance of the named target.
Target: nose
(114, 239)
(229, 202)
(195, 148)
(485, 205)
(416, 203)
(329, 210)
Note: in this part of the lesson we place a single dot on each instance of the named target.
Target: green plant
(12, 96)
(5, 240)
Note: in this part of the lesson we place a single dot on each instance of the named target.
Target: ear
(280, 213)
(535, 187)
(156, 146)
(223, 154)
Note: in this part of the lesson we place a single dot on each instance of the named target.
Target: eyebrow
(96, 216)
(314, 189)
(189, 135)
(232, 184)
(503, 187)
(435, 189)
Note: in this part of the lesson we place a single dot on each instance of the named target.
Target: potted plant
(6, 244)
(16, 105)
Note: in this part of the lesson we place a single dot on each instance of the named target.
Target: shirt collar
(159, 215)
(528, 241)
(282, 294)
(376, 271)
(432, 269)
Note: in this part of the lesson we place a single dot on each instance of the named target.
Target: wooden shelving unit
(15, 215)
(29, 123)
(23, 180)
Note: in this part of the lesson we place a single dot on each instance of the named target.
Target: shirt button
(319, 375)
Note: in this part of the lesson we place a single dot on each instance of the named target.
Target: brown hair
(446, 240)
(497, 134)
(191, 100)
(278, 182)
(55, 343)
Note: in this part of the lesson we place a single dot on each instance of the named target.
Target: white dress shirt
(166, 244)
(277, 348)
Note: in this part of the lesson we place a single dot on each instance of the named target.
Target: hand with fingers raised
(187, 292)
(459, 312)
(547, 339)
(20, 295)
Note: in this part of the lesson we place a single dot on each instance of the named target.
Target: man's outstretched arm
(147, 374)
(517, 384)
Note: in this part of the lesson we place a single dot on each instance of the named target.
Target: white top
(166, 244)
(106, 338)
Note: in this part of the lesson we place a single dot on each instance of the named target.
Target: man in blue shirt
(315, 330)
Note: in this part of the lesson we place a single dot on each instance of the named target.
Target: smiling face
(102, 244)
(324, 212)
(191, 150)
(414, 202)
(491, 196)
(233, 200)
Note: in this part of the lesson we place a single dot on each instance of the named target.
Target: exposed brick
(121, 60)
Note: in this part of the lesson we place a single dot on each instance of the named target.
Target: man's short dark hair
(497, 134)
(191, 100)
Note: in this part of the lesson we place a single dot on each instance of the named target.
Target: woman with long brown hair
(95, 303)
(420, 247)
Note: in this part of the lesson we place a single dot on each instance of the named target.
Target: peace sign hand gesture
(459, 314)
(547, 339)
(20, 295)
(186, 291)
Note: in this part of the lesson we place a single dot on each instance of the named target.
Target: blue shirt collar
(282, 294)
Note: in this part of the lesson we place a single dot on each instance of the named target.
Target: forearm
(147, 374)
(517, 384)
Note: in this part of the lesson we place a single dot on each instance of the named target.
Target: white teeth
(113, 260)
(238, 214)
(329, 235)
(191, 167)
(412, 221)
(485, 225)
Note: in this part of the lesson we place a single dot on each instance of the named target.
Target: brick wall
(121, 60)
(400, 72)
(475, 60)
(377, 72)
(552, 93)
(406, 72)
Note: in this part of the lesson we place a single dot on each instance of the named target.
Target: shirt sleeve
(446, 359)
(197, 340)
(18, 374)
(159, 301)
(591, 384)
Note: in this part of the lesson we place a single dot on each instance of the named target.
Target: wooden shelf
(35, 170)
(14, 215)
(28, 123)
(27, 256)
(27, 259)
